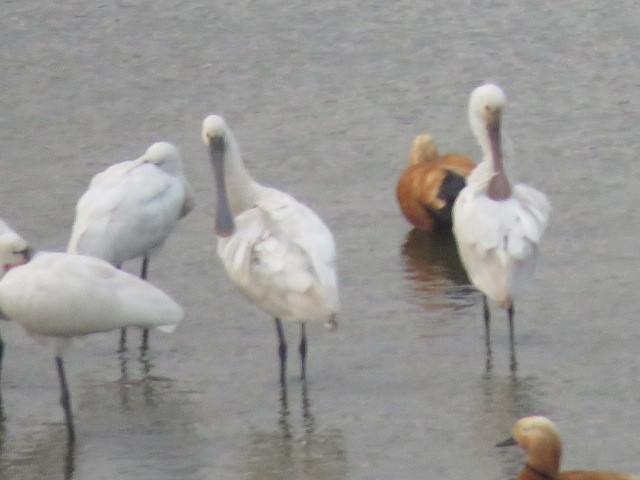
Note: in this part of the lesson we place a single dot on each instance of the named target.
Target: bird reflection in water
(307, 417)
(51, 452)
(145, 382)
(290, 453)
(433, 267)
(502, 399)
(69, 460)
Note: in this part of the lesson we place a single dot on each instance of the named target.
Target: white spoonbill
(497, 227)
(274, 248)
(130, 209)
(58, 296)
(17, 252)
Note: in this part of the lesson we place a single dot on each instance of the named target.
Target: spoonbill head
(131, 208)
(14, 251)
(166, 156)
(274, 248)
(58, 296)
(497, 227)
(486, 105)
(214, 126)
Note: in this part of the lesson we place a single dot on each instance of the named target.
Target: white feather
(497, 239)
(130, 209)
(283, 258)
(281, 255)
(64, 295)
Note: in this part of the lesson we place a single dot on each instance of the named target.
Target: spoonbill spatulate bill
(58, 296)
(130, 209)
(498, 227)
(274, 248)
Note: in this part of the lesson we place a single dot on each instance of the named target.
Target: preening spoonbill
(17, 249)
(430, 184)
(16, 252)
(58, 296)
(130, 209)
(274, 248)
(497, 227)
(539, 438)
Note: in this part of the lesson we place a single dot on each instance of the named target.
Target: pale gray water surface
(325, 99)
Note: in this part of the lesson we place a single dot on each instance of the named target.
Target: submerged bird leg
(1, 353)
(282, 350)
(123, 340)
(510, 314)
(145, 341)
(307, 416)
(69, 459)
(487, 330)
(145, 331)
(303, 351)
(145, 267)
(487, 321)
(284, 412)
(65, 399)
(123, 332)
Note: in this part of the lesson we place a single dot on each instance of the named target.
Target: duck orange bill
(507, 443)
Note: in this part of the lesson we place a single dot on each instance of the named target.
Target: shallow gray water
(325, 100)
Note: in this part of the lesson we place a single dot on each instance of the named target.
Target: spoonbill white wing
(498, 240)
(127, 210)
(537, 205)
(63, 295)
(114, 172)
(282, 257)
(300, 224)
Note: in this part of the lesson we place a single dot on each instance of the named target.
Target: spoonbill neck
(242, 190)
